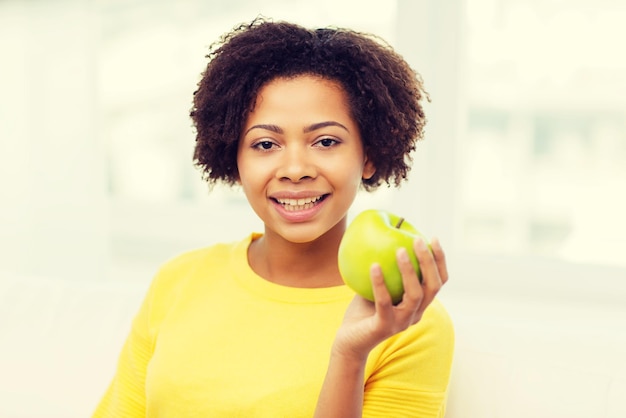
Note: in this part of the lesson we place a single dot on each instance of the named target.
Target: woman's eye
(327, 142)
(264, 145)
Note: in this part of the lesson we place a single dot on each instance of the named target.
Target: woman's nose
(296, 165)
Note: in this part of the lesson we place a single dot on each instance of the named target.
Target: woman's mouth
(295, 205)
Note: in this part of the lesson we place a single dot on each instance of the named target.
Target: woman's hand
(368, 323)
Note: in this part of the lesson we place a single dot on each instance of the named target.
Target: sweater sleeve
(408, 374)
(126, 395)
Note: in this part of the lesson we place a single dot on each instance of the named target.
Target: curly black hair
(384, 92)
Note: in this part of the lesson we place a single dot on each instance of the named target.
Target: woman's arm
(125, 396)
(366, 324)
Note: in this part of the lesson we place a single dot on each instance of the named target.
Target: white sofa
(59, 340)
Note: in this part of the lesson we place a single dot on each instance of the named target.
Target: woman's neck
(309, 265)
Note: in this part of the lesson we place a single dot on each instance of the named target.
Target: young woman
(264, 327)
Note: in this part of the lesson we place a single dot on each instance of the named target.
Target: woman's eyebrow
(324, 124)
(273, 128)
(313, 127)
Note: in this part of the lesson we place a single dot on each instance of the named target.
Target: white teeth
(299, 204)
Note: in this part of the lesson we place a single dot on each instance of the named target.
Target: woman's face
(301, 158)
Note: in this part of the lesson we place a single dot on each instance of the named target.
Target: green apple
(374, 236)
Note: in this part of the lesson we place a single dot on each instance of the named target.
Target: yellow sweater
(213, 339)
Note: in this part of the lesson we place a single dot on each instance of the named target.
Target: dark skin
(297, 265)
(366, 324)
(301, 161)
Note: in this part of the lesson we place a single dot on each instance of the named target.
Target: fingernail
(375, 269)
(402, 253)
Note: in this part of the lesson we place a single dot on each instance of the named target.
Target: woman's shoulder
(219, 252)
(426, 348)
(435, 328)
(434, 332)
(177, 269)
(437, 315)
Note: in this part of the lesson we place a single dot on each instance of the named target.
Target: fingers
(413, 292)
(417, 296)
(440, 259)
(431, 276)
(385, 317)
(382, 298)
(392, 319)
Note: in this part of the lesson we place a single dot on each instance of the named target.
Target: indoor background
(522, 173)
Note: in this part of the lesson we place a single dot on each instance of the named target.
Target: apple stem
(399, 223)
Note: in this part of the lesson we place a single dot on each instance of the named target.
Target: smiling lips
(295, 205)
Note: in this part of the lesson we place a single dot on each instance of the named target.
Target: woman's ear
(368, 169)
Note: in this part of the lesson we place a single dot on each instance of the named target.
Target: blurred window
(541, 158)
(151, 56)
(544, 155)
